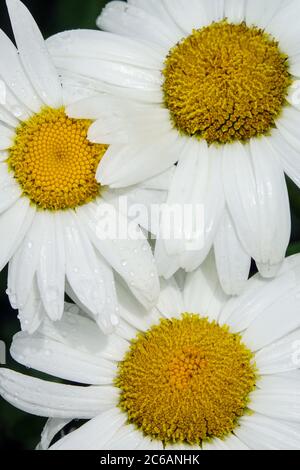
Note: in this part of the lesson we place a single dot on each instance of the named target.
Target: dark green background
(19, 430)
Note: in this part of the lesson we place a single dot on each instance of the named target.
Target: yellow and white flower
(197, 371)
(49, 196)
(212, 85)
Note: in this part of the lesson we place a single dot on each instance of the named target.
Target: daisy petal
(6, 137)
(126, 438)
(51, 267)
(149, 444)
(130, 257)
(24, 262)
(14, 224)
(260, 13)
(95, 434)
(32, 313)
(76, 350)
(132, 21)
(281, 295)
(233, 263)
(257, 198)
(261, 433)
(288, 125)
(277, 397)
(290, 157)
(229, 443)
(196, 183)
(135, 316)
(170, 302)
(212, 298)
(51, 429)
(288, 37)
(86, 275)
(34, 55)
(281, 356)
(167, 265)
(235, 10)
(141, 162)
(259, 295)
(9, 196)
(49, 399)
(104, 46)
(13, 74)
(194, 17)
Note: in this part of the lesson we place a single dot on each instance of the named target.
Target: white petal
(9, 195)
(6, 137)
(14, 224)
(268, 325)
(261, 433)
(130, 256)
(50, 399)
(229, 443)
(32, 313)
(167, 265)
(277, 397)
(160, 182)
(281, 356)
(257, 197)
(112, 73)
(142, 205)
(170, 302)
(258, 294)
(104, 46)
(194, 17)
(142, 161)
(288, 125)
(73, 349)
(131, 21)
(290, 157)
(6, 116)
(94, 434)
(133, 314)
(260, 13)
(202, 291)
(24, 262)
(52, 427)
(233, 263)
(13, 74)
(126, 438)
(86, 275)
(235, 10)
(286, 15)
(51, 266)
(197, 182)
(34, 55)
(149, 444)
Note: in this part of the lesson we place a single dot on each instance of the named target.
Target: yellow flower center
(186, 380)
(226, 82)
(54, 162)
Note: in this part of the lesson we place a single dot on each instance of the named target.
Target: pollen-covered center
(54, 162)
(186, 380)
(226, 82)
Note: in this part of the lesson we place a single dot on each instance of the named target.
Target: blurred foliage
(18, 430)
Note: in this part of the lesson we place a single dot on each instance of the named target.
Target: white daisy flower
(197, 371)
(212, 85)
(49, 196)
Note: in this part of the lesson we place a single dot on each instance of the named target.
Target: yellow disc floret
(54, 162)
(226, 82)
(186, 380)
